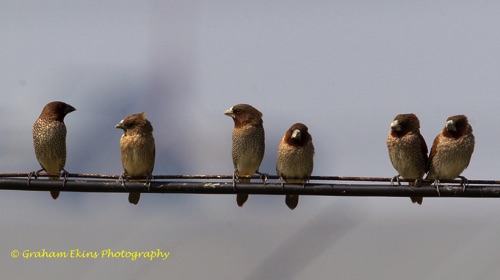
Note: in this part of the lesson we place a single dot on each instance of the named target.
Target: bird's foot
(122, 179)
(464, 183)
(437, 184)
(149, 178)
(304, 183)
(264, 177)
(235, 179)
(64, 174)
(395, 178)
(418, 182)
(281, 180)
(33, 174)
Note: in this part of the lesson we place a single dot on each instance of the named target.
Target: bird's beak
(395, 125)
(69, 109)
(229, 112)
(450, 125)
(296, 134)
(120, 125)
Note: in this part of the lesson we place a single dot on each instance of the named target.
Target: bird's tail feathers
(241, 198)
(54, 194)
(417, 199)
(134, 197)
(292, 200)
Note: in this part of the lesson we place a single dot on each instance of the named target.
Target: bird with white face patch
(408, 150)
(295, 159)
(452, 150)
(248, 143)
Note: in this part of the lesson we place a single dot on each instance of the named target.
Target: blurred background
(344, 68)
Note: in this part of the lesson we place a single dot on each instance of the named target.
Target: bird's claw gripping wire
(281, 180)
(464, 182)
(33, 174)
(306, 180)
(395, 178)
(264, 177)
(418, 182)
(235, 179)
(149, 178)
(122, 179)
(64, 174)
(437, 184)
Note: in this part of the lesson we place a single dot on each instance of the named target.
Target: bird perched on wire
(451, 151)
(137, 146)
(49, 139)
(248, 143)
(295, 159)
(407, 150)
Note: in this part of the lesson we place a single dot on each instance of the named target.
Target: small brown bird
(407, 150)
(138, 149)
(248, 143)
(49, 139)
(295, 159)
(451, 151)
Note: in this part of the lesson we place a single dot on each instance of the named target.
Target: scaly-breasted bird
(451, 151)
(138, 149)
(248, 143)
(49, 139)
(295, 159)
(407, 150)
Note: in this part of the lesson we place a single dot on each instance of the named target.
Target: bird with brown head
(247, 143)
(137, 146)
(295, 159)
(49, 139)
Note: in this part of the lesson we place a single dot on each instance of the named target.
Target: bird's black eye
(237, 111)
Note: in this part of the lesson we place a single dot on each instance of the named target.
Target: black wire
(212, 184)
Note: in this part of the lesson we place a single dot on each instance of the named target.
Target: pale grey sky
(344, 68)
